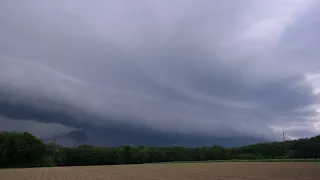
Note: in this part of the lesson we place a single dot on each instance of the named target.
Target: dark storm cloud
(209, 72)
(113, 133)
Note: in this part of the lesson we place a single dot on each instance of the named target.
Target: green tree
(21, 150)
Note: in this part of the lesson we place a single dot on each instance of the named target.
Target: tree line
(25, 150)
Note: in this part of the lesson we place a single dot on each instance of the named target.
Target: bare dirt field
(179, 171)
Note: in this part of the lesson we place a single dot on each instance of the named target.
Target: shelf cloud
(160, 72)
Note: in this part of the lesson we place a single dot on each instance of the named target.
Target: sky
(160, 72)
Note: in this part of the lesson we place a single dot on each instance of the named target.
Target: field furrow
(182, 171)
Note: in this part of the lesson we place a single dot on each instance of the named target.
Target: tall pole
(284, 145)
(54, 147)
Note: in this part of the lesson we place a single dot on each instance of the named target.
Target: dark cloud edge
(115, 132)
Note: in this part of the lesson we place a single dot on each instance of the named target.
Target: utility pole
(54, 140)
(284, 145)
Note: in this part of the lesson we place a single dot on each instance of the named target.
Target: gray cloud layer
(161, 72)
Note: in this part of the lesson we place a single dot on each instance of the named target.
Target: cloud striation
(160, 72)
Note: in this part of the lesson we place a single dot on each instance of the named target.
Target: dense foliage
(21, 149)
(25, 150)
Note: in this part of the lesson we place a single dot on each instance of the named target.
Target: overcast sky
(190, 72)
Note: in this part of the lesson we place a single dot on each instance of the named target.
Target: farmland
(177, 171)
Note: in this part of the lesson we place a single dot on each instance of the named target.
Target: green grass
(217, 161)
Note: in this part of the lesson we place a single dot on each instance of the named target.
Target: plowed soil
(182, 171)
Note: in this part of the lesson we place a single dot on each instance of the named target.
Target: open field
(183, 171)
